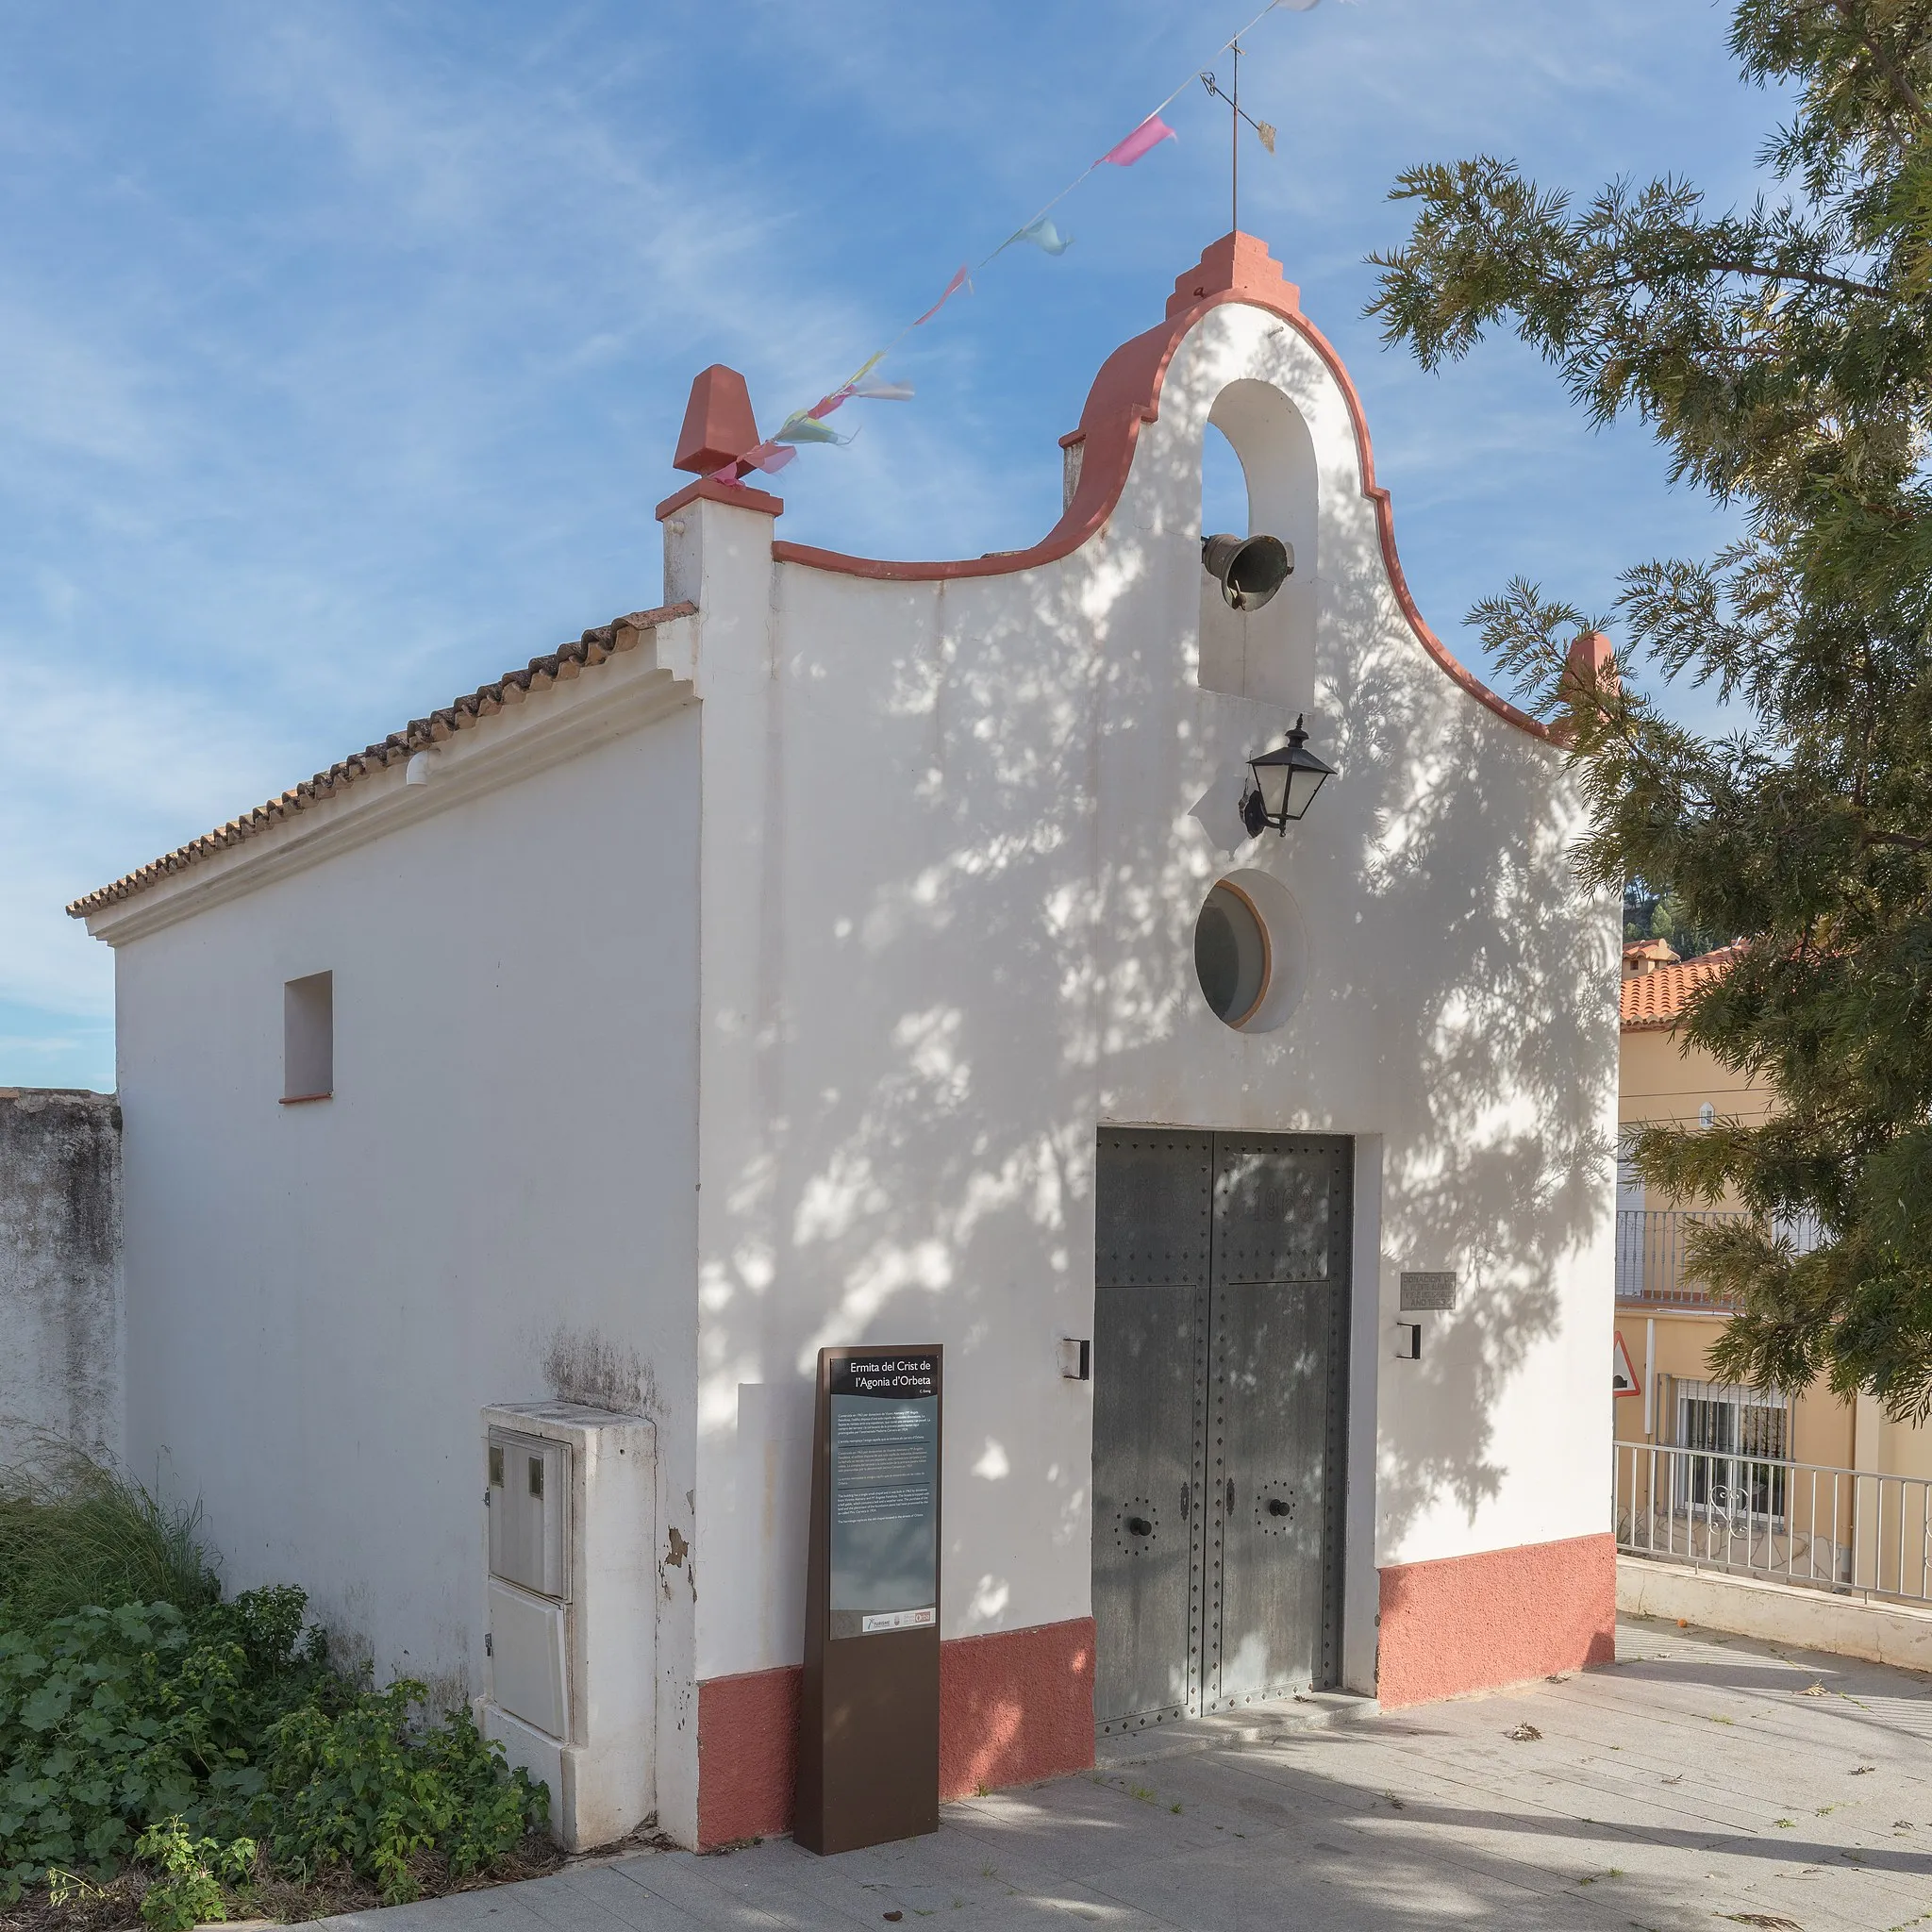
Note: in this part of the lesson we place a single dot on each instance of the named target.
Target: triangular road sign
(1622, 1376)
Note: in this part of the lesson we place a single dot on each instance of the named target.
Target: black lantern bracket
(1282, 784)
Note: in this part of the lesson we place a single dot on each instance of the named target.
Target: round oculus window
(1232, 956)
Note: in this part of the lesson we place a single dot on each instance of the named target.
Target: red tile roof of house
(1657, 998)
(1640, 956)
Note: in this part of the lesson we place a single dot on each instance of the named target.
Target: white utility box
(570, 1668)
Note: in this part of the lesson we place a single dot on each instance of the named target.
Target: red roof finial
(1238, 264)
(719, 427)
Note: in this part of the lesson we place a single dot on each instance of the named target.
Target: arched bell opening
(1224, 485)
(1259, 478)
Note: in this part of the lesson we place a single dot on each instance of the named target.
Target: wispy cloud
(346, 346)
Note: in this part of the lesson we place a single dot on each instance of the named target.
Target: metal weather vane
(808, 425)
(1236, 116)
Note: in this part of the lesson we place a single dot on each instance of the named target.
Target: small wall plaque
(1425, 1292)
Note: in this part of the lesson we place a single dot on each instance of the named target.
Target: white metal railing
(1653, 1263)
(1850, 1530)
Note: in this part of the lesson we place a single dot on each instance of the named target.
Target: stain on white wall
(60, 1317)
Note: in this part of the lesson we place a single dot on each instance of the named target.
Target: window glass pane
(1231, 955)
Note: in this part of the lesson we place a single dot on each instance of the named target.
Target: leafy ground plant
(165, 1755)
(188, 1892)
(138, 1733)
(364, 1788)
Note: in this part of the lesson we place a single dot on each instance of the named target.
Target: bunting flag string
(1144, 140)
(809, 425)
(806, 428)
(952, 288)
(1042, 234)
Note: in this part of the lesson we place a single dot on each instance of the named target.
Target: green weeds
(74, 1533)
(211, 1743)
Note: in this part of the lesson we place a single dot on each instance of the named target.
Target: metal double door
(1220, 1419)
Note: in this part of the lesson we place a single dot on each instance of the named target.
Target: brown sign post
(869, 1718)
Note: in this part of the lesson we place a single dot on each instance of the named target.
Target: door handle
(1138, 1526)
(1276, 1507)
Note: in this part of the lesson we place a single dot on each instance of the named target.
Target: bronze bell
(1248, 569)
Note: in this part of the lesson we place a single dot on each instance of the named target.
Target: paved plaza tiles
(1702, 1781)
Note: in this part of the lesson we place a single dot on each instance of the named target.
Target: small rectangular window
(496, 1465)
(536, 1476)
(309, 1038)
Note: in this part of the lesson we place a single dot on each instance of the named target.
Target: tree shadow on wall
(979, 947)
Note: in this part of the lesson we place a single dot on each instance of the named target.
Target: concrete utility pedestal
(571, 1670)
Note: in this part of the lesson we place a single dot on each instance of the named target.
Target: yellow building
(1794, 1469)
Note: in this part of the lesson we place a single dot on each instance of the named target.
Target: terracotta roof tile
(568, 660)
(1637, 954)
(1657, 998)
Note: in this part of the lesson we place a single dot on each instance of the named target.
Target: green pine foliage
(1649, 915)
(1782, 354)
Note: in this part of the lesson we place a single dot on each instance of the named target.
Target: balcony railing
(1653, 1263)
(1848, 1530)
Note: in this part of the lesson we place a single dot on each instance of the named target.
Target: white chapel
(838, 951)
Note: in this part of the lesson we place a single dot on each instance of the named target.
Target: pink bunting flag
(1149, 135)
(768, 457)
(953, 288)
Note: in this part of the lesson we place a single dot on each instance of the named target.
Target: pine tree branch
(1757, 270)
(1812, 278)
(1848, 12)
(1781, 354)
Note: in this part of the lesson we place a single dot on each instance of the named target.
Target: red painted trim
(748, 1754)
(1015, 1707)
(714, 492)
(1475, 1623)
(1126, 395)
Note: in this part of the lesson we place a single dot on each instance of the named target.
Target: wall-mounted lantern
(1283, 784)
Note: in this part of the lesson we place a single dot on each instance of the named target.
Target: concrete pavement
(1701, 1780)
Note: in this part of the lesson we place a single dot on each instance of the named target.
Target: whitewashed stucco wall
(497, 1205)
(950, 882)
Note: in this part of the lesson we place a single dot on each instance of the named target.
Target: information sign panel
(868, 1712)
(884, 1483)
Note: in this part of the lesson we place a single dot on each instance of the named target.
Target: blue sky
(347, 344)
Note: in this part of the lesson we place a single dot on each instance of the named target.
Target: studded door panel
(1219, 1427)
(1154, 1212)
(1277, 1371)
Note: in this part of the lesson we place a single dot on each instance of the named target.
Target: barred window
(1745, 1437)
